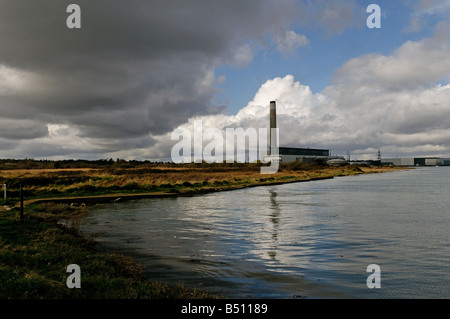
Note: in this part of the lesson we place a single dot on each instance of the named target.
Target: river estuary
(301, 240)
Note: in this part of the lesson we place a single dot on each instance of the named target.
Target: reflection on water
(274, 217)
(312, 239)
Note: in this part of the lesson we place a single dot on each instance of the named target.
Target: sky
(137, 70)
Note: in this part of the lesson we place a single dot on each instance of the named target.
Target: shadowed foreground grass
(35, 253)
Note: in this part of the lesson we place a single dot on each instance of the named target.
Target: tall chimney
(273, 126)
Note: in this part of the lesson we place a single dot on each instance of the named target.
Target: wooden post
(21, 203)
(4, 188)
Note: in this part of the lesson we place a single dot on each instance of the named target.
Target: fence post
(21, 203)
(4, 188)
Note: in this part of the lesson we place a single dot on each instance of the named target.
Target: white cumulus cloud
(398, 103)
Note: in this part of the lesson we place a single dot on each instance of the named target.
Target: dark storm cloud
(134, 68)
(21, 129)
(134, 71)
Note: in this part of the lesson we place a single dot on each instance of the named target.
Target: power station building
(306, 155)
(292, 154)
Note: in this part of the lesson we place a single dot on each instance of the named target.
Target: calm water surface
(310, 239)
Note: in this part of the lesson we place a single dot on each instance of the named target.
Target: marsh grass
(50, 183)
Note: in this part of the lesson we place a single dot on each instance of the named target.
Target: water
(310, 239)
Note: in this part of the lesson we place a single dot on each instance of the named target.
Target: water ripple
(304, 239)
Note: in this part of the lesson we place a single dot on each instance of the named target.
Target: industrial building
(416, 161)
(306, 155)
(292, 154)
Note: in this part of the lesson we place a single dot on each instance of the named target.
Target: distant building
(400, 161)
(291, 154)
(306, 155)
(416, 161)
(435, 161)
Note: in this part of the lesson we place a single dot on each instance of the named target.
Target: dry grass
(50, 183)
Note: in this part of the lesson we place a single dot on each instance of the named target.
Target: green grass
(35, 253)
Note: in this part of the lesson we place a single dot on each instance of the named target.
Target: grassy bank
(35, 251)
(157, 179)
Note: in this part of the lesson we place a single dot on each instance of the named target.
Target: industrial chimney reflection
(275, 219)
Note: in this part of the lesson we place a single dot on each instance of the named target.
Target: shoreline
(187, 191)
(132, 256)
(121, 197)
(44, 213)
